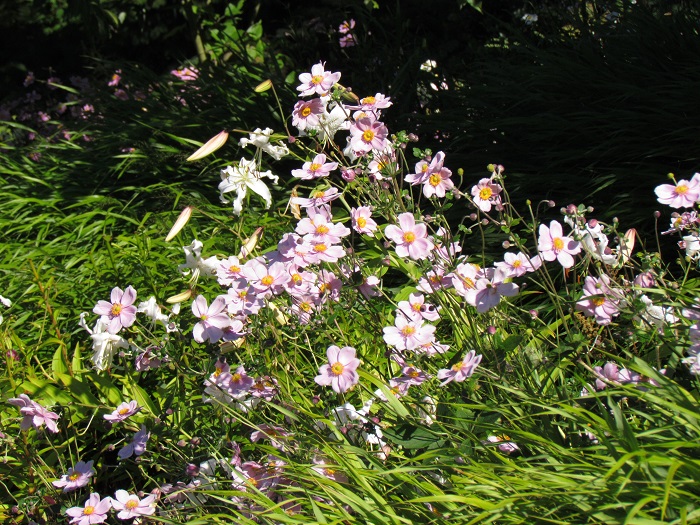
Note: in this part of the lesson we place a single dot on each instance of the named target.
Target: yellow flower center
(314, 167)
(319, 194)
(424, 168)
(599, 301)
(468, 283)
(88, 510)
(305, 306)
(204, 317)
(485, 194)
(132, 504)
(123, 411)
(74, 476)
(234, 269)
(435, 179)
(337, 368)
(236, 377)
(558, 243)
(408, 330)
(409, 237)
(368, 135)
(316, 80)
(320, 248)
(368, 100)
(297, 278)
(116, 309)
(329, 472)
(306, 112)
(681, 189)
(456, 367)
(361, 222)
(267, 280)
(322, 229)
(413, 373)
(517, 263)
(242, 294)
(217, 372)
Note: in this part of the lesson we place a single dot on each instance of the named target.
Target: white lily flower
(104, 344)
(194, 261)
(243, 177)
(260, 138)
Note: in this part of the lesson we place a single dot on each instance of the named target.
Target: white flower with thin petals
(243, 177)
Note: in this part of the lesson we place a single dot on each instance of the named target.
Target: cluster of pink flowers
(96, 509)
(34, 415)
(347, 38)
(237, 387)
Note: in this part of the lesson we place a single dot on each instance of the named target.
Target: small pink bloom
(346, 26)
(599, 300)
(362, 221)
(407, 334)
(438, 183)
(34, 414)
(486, 194)
(462, 370)
(683, 195)
(119, 312)
(277, 436)
(416, 308)
(228, 271)
(122, 412)
(130, 506)
(137, 446)
(315, 169)
(318, 81)
(366, 136)
(553, 245)
(77, 477)
(212, 319)
(94, 511)
(307, 114)
(340, 372)
(411, 239)
(504, 444)
(517, 265)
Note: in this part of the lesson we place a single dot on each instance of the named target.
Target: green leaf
(59, 365)
(105, 386)
(80, 390)
(143, 399)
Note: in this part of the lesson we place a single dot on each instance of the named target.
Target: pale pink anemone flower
(366, 136)
(378, 101)
(307, 114)
(424, 170)
(518, 264)
(228, 271)
(120, 312)
(462, 370)
(683, 195)
(94, 511)
(408, 334)
(362, 221)
(504, 444)
(318, 81)
(416, 308)
(76, 477)
(438, 183)
(341, 371)
(213, 320)
(130, 506)
(34, 414)
(553, 245)
(411, 239)
(137, 446)
(599, 300)
(487, 194)
(315, 169)
(123, 411)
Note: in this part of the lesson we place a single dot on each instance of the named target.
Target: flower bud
(211, 146)
(263, 86)
(182, 219)
(250, 243)
(184, 296)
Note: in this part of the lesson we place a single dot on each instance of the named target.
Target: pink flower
(504, 444)
(683, 195)
(318, 228)
(340, 372)
(318, 198)
(517, 265)
(411, 239)
(94, 511)
(407, 334)
(120, 312)
(315, 169)
(378, 101)
(438, 183)
(486, 193)
(276, 435)
(423, 170)
(318, 81)
(34, 414)
(122, 412)
(77, 477)
(362, 221)
(130, 506)
(228, 271)
(346, 26)
(307, 114)
(609, 372)
(599, 300)
(186, 74)
(137, 445)
(366, 135)
(213, 319)
(416, 308)
(347, 40)
(553, 245)
(462, 370)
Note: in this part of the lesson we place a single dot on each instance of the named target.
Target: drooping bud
(179, 297)
(250, 243)
(182, 219)
(211, 146)
(627, 245)
(263, 86)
